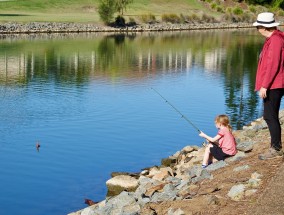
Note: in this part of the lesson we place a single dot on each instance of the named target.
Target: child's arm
(210, 139)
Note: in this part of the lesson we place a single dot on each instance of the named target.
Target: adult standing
(270, 79)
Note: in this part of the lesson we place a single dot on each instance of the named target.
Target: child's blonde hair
(223, 120)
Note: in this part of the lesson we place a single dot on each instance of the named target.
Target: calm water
(87, 99)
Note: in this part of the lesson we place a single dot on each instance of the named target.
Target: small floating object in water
(37, 145)
(90, 202)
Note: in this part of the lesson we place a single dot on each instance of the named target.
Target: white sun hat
(266, 19)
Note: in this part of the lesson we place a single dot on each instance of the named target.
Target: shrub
(260, 9)
(208, 19)
(252, 9)
(227, 17)
(185, 18)
(131, 22)
(172, 18)
(280, 13)
(194, 17)
(148, 18)
(238, 11)
(246, 17)
(229, 10)
(213, 5)
(120, 21)
(219, 9)
(231, 17)
(182, 18)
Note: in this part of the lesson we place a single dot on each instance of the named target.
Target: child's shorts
(218, 153)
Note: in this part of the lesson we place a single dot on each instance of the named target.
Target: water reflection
(87, 99)
(77, 58)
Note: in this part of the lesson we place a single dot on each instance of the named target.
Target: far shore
(54, 27)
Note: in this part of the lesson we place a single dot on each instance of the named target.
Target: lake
(87, 99)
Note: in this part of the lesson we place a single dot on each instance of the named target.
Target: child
(221, 146)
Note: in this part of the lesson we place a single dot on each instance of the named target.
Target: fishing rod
(183, 116)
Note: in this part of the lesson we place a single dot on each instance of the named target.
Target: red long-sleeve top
(270, 70)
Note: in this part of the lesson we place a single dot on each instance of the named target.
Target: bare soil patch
(212, 195)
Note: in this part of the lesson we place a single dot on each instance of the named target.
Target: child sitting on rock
(221, 146)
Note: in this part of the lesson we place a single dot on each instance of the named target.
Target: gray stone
(254, 183)
(237, 192)
(146, 180)
(249, 133)
(203, 175)
(245, 146)
(256, 125)
(139, 193)
(183, 184)
(256, 175)
(89, 211)
(216, 165)
(195, 171)
(236, 157)
(241, 168)
(117, 205)
(178, 211)
(131, 210)
(173, 180)
(169, 193)
(93, 209)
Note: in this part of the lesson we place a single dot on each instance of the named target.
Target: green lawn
(86, 10)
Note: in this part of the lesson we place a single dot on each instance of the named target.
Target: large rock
(163, 173)
(121, 183)
(122, 204)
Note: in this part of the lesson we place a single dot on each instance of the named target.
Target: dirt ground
(212, 198)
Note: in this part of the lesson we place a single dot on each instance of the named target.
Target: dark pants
(271, 116)
(218, 153)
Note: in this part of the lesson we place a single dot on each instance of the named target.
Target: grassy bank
(86, 10)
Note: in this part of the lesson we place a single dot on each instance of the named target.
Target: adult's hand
(262, 93)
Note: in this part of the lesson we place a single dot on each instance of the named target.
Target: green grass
(86, 10)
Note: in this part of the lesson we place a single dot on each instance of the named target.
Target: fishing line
(183, 116)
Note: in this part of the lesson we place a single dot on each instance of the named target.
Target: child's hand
(201, 134)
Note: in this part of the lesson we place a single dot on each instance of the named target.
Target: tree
(106, 10)
(121, 5)
(278, 4)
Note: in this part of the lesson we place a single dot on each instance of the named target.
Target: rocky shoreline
(181, 186)
(54, 27)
